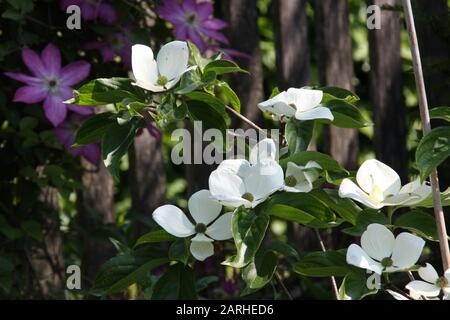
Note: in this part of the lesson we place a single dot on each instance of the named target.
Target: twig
(246, 120)
(332, 279)
(280, 281)
(426, 127)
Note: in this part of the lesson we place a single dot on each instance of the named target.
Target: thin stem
(426, 127)
(285, 290)
(246, 120)
(332, 279)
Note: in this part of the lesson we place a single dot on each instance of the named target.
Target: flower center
(191, 18)
(200, 228)
(290, 181)
(248, 196)
(387, 262)
(162, 81)
(376, 194)
(442, 282)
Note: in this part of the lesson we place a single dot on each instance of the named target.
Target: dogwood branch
(426, 127)
(246, 120)
(332, 279)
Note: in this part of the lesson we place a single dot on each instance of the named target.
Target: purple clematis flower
(193, 20)
(50, 82)
(65, 133)
(93, 9)
(115, 44)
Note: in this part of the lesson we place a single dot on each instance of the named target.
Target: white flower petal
(239, 167)
(312, 171)
(396, 295)
(225, 184)
(303, 183)
(407, 250)
(377, 241)
(306, 99)
(278, 106)
(144, 65)
(428, 273)
(348, 189)
(173, 59)
(398, 199)
(417, 191)
(374, 176)
(150, 86)
(221, 228)
(174, 221)
(422, 288)
(203, 208)
(447, 276)
(357, 257)
(201, 237)
(201, 249)
(263, 150)
(315, 113)
(264, 179)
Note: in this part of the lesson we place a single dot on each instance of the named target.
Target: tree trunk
(243, 34)
(95, 209)
(386, 90)
(292, 49)
(336, 69)
(147, 176)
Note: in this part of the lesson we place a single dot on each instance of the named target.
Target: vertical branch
(426, 127)
(332, 279)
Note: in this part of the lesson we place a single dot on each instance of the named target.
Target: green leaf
(354, 286)
(440, 113)
(125, 269)
(325, 161)
(179, 251)
(323, 264)
(178, 282)
(189, 82)
(230, 95)
(298, 135)
(116, 142)
(9, 231)
(333, 93)
(212, 101)
(94, 128)
(346, 115)
(197, 56)
(282, 248)
(433, 149)
(248, 231)
(275, 91)
(204, 282)
(160, 235)
(222, 67)
(366, 217)
(296, 215)
(419, 222)
(207, 114)
(104, 91)
(33, 229)
(259, 272)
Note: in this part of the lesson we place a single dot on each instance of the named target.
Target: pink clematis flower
(193, 20)
(93, 9)
(65, 133)
(50, 82)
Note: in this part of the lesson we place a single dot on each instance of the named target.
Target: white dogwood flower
(381, 252)
(379, 186)
(207, 228)
(164, 72)
(432, 284)
(304, 104)
(301, 178)
(239, 182)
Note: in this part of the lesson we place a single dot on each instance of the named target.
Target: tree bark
(95, 210)
(386, 90)
(336, 69)
(243, 34)
(147, 176)
(292, 48)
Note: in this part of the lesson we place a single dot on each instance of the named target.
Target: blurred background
(59, 206)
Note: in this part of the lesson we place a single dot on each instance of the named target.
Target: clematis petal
(374, 174)
(348, 189)
(422, 288)
(315, 113)
(357, 257)
(263, 150)
(74, 72)
(378, 241)
(174, 221)
(55, 110)
(201, 249)
(51, 58)
(203, 208)
(34, 63)
(173, 59)
(264, 179)
(407, 250)
(306, 99)
(428, 273)
(145, 69)
(24, 78)
(30, 94)
(221, 228)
